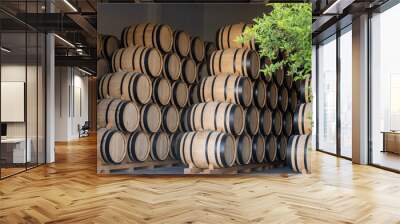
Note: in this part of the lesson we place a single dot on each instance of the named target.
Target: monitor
(3, 129)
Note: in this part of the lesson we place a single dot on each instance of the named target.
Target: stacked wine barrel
(106, 46)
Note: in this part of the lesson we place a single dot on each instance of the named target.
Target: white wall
(71, 102)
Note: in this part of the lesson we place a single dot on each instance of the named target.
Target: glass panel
(327, 95)
(385, 84)
(13, 94)
(346, 93)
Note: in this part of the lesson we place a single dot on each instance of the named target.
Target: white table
(19, 153)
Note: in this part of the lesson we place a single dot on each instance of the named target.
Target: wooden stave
(270, 148)
(194, 118)
(258, 154)
(303, 90)
(104, 50)
(277, 122)
(155, 137)
(202, 71)
(176, 45)
(209, 48)
(302, 114)
(287, 123)
(265, 118)
(187, 77)
(288, 82)
(281, 147)
(115, 116)
(166, 125)
(136, 35)
(279, 76)
(175, 141)
(104, 137)
(230, 40)
(220, 145)
(195, 55)
(102, 67)
(292, 100)
(295, 144)
(243, 157)
(176, 95)
(224, 61)
(283, 98)
(127, 86)
(252, 116)
(259, 93)
(272, 96)
(161, 98)
(194, 94)
(131, 146)
(238, 94)
(102, 91)
(102, 108)
(144, 123)
(169, 58)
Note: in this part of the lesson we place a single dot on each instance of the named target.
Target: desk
(13, 150)
(391, 141)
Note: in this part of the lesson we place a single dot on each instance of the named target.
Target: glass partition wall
(22, 77)
(334, 88)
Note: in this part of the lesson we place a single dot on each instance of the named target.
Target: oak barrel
(244, 149)
(227, 37)
(132, 86)
(298, 155)
(158, 36)
(270, 148)
(215, 116)
(175, 142)
(194, 94)
(202, 71)
(170, 119)
(102, 86)
(265, 121)
(279, 76)
(277, 122)
(161, 91)
(209, 48)
(207, 149)
(138, 144)
(228, 88)
(197, 49)
(272, 95)
(118, 114)
(150, 117)
(287, 123)
(288, 81)
(103, 67)
(172, 66)
(111, 145)
(259, 93)
(239, 61)
(302, 119)
(179, 94)
(106, 46)
(188, 70)
(258, 148)
(304, 90)
(292, 100)
(181, 44)
(159, 146)
(281, 145)
(283, 98)
(252, 116)
(137, 58)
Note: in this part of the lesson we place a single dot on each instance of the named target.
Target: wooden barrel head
(112, 145)
(103, 67)
(279, 76)
(283, 98)
(161, 91)
(270, 148)
(179, 93)
(258, 148)
(170, 119)
(281, 145)
(302, 119)
(194, 94)
(152, 62)
(102, 112)
(253, 70)
(142, 88)
(288, 82)
(209, 48)
(244, 149)
(287, 123)
(138, 146)
(298, 153)
(175, 141)
(277, 122)
(164, 38)
(181, 43)
(202, 71)
(252, 120)
(292, 100)
(259, 93)
(172, 66)
(189, 71)
(265, 121)
(197, 50)
(150, 117)
(272, 95)
(304, 90)
(160, 146)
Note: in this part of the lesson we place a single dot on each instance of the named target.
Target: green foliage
(286, 29)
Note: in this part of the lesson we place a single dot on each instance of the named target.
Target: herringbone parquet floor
(69, 191)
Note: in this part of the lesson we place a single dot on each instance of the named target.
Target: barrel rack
(235, 169)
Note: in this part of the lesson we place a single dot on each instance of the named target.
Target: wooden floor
(69, 191)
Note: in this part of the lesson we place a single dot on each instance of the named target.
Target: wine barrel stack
(164, 94)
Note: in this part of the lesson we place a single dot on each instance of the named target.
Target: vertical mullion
(317, 96)
(369, 79)
(37, 90)
(338, 98)
(26, 87)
